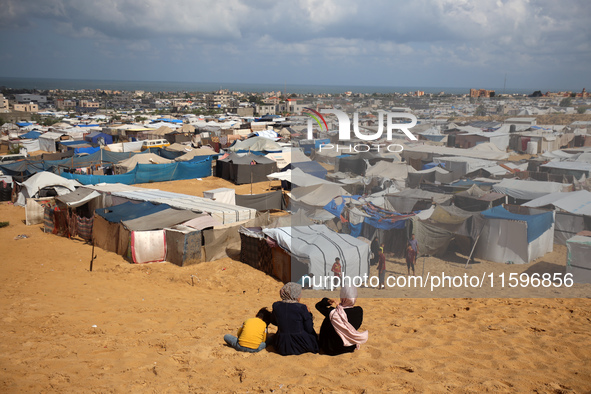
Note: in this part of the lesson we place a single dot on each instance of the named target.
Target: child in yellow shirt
(253, 333)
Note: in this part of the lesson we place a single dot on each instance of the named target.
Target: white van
(154, 144)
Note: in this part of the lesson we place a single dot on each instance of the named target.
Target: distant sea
(161, 86)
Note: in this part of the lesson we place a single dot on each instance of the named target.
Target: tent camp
(578, 262)
(146, 158)
(573, 212)
(312, 199)
(509, 237)
(309, 167)
(475, 199)
(96, 137)
(191, 153)
(224, 213)
(255, 144)
(47, 141)
(357, 164)
(44, 184)
(433, 174)
(313, 250)
(288, 155)
(389, 170)
(410, 200)
(297, 177)
(528, 190)
(248, 168)
(263, 201)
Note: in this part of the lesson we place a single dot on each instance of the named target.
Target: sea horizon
(178, 86)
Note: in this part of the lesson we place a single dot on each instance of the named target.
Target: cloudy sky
(538, 44)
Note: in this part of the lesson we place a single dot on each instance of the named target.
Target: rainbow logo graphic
(317, 117)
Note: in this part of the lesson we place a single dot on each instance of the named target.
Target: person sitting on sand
(295, 333)
(338, 333)
(253, 333)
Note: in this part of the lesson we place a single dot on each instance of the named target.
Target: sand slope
(157, 333)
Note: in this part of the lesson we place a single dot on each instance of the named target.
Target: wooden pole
(93, 256)
(474, 247)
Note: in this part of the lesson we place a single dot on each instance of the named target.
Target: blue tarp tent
(31, 135)
(513, 238)
(96, 135)
(167, 120)
(536, 224)
(24, 124)
(309, 167)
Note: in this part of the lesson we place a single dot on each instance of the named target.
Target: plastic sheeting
(261, 202)
(527, 190)
(504, 241)
(318, 247)
(78, 197)
(224, 195)
(148, 246)
(536, 224)
(129, 211)
(159, 220)
(146, 173)
(578, 262)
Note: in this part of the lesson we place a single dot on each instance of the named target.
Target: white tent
(47, 141)
(297, 177)
(318, 246)
(507, 237)
(528, 190)
(41, 180)
(145, 158)
(312, 200)
(388, 170)
(578, 262)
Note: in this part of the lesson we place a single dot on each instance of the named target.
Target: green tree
(566, 102)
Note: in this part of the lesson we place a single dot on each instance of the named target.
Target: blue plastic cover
(146, 173)
(89, 150)
(536, 224)
(32, 135)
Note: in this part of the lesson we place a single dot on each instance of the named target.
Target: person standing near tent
(337, 269)
(415, 247)
(411, 257)
(382, 268)
(375, 251)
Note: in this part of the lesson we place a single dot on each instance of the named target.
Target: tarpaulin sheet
(309, 167)
(129, 210)
(78, 197)
(261, 202)
(337, 205)
(536, 224)
(318, 246)
(433, 240)
(578, 262)
(148, 246)
(89, 150)
(146, 173)
(527, 190)
(159, 220)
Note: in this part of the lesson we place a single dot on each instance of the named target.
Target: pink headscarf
(338, 318)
